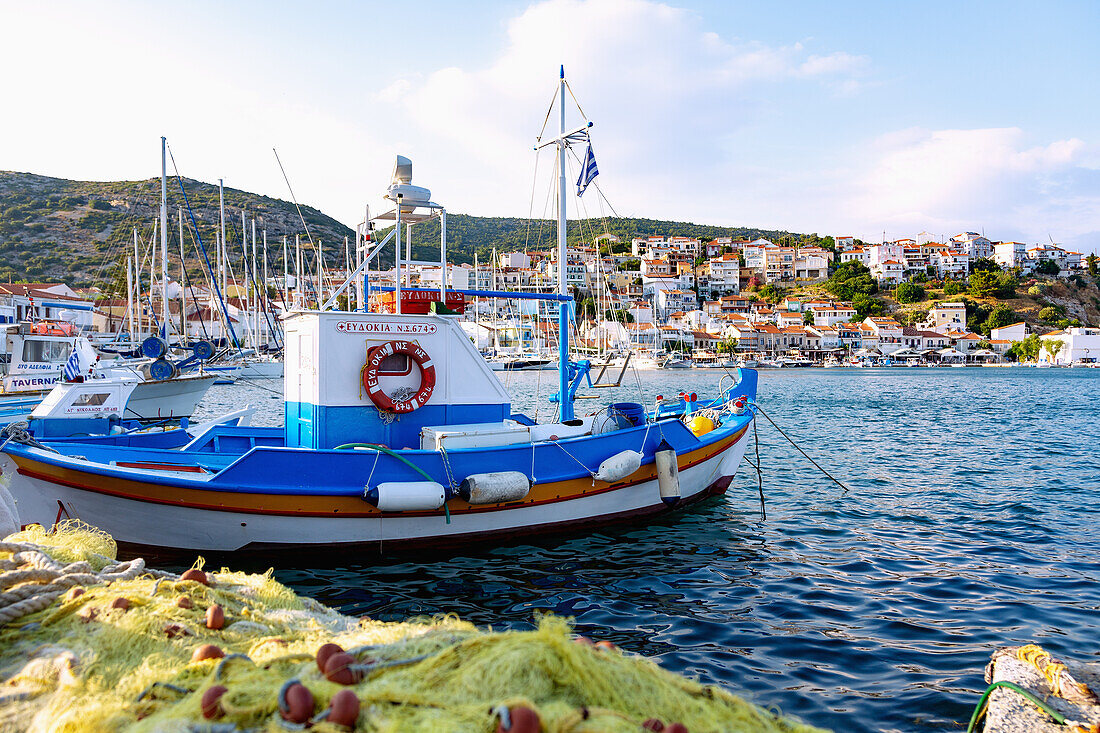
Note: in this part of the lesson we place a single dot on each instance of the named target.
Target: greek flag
(72, 366)
(588, 171)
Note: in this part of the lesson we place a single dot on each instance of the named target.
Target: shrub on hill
(984, 264)
(1048, 267)
(952, 287)
(867, 305)
(850, 279)
(909, 293)
(990, 284)
(1001, 316)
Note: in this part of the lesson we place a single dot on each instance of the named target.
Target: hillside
(80, 231)
(469, 234)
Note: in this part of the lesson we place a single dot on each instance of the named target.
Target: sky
(868, 119)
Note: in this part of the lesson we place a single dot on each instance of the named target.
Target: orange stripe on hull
(328, 505)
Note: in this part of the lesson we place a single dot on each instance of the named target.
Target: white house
(1010, 254)
(1014, 332)
(1079, 344)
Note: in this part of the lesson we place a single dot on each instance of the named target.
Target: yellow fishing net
(88, 661)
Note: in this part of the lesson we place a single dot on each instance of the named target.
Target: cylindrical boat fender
(668, 473)
(406, 496)
(619, 466)
(495, 487)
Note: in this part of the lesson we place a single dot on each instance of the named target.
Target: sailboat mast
(221, 242)
(183, 291)
(267, 309)
(563, 286)
(164, 235)
(286, 278)
(130, 296)
(137, 288)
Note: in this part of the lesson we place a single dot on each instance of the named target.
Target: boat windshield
(48, 351)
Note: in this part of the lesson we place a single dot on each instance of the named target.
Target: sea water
(970, 521)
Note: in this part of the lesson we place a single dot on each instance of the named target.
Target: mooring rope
(756, 407)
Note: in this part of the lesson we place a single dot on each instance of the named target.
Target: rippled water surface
(971, 523)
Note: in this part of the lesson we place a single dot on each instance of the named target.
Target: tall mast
(298, 269)
(286, 278)
(183, 291)
(130, 296)
(164, 235)
(267, 310)
(244, 271)
(563, 286)
(221, 242)
(255, 292)
(137, 288)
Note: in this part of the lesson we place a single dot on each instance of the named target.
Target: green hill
(80, 231)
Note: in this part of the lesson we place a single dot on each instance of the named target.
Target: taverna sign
(414, 329)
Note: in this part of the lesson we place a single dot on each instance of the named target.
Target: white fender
(406, 496)
(619, 466)
(495, 487)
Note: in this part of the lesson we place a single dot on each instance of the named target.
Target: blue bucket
(632, 411)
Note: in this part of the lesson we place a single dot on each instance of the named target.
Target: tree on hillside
(952, 287)
(771, 293)
(1048, 267)
(1091, 260)
(909, 293)
(983, 283)
(1049, 314)
(1001, 316)
(984, 264)
(808, 318)
(851, 278)
(867, 305)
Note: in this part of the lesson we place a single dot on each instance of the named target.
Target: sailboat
(398, 434)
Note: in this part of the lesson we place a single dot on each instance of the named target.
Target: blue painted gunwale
(275, 469)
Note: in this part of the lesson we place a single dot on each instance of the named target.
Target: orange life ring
(370, 376)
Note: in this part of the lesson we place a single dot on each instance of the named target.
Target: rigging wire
(299, 209)
(206, 257)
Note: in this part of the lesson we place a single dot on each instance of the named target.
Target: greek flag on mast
(72, 366)
(588, 171)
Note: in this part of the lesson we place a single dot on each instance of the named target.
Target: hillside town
(701, 300)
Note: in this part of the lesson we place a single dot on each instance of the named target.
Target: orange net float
(383, 401)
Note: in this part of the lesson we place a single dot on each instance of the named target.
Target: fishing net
(88, 643)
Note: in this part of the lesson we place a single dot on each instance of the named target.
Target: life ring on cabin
(383, 401)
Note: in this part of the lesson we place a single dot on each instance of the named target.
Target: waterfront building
(1014, 332)
(829, 336)
(844, 243)
(1079, 344)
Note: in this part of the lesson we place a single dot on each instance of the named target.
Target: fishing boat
(37, 354)
(398, 434)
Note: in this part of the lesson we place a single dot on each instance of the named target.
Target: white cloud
(950, 180)
(663, 90)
